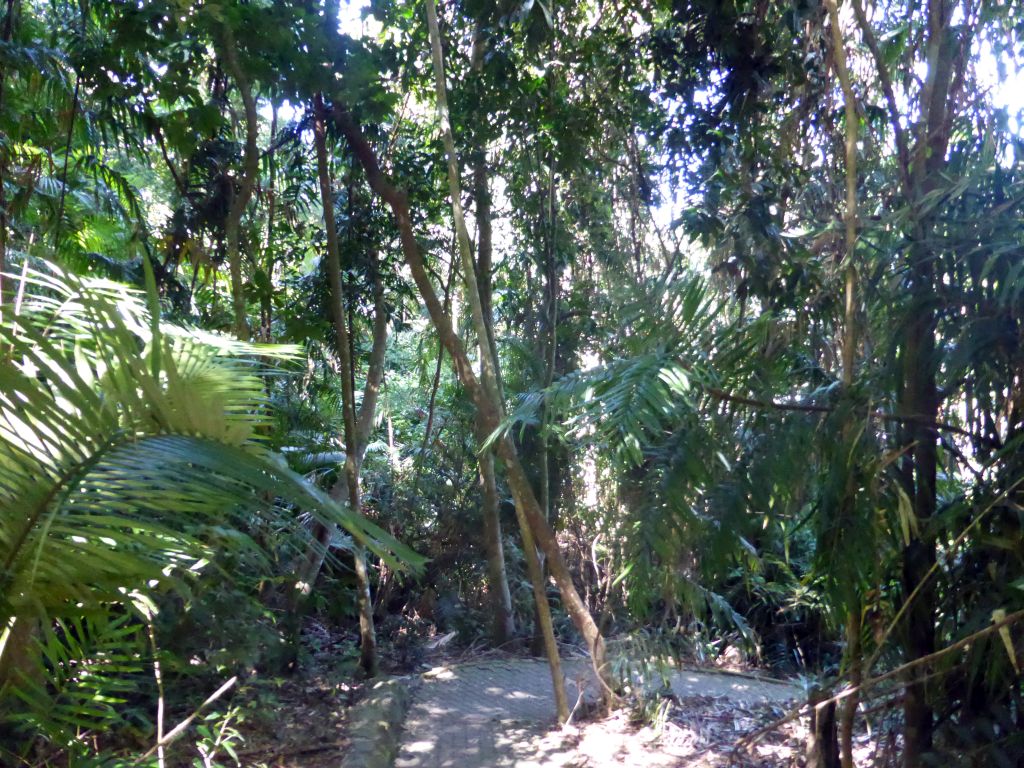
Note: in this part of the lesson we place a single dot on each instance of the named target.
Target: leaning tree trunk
(549, 349)
(489, 361)
(367, 635)
(522, 492)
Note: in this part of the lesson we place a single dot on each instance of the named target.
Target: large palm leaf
(123, 443)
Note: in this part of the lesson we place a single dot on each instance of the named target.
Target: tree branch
(902, 418)
(902, 149)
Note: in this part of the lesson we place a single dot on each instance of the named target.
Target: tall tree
(522, 491)
(241, 192)
(356, 428)
(503, 620)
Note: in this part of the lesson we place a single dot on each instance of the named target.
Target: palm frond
(632, 400)
(120, 441)
(87, 670)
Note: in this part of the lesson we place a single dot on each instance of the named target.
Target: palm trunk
(919, 473)
(919, 395)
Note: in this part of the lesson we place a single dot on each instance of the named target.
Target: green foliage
(89, 669)
(666, 185)
(131, 458)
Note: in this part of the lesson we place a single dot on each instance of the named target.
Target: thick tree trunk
(822, 745)
(522, 492)
(367, 634)
(918, 557)
(919, 395)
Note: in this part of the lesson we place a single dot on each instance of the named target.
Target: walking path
(501, 713)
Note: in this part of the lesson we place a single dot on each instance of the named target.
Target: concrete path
(495, 713)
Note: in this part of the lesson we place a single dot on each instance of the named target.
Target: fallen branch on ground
(175, 733)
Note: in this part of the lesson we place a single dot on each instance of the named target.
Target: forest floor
(489, 710)
(500, 713)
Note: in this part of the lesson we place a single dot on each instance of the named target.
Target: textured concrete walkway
(496, 713)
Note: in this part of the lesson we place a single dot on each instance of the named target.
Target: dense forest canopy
(694, 325)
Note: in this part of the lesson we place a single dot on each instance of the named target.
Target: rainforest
(471, 383)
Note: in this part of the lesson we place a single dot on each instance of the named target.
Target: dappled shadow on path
(460, 714)
(501, 713)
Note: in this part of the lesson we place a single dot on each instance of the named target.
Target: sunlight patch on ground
(420, 747)
(519, 695)
(439, 673)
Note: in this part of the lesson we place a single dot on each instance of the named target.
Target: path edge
(375, 724)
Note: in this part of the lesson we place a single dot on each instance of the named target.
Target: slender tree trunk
(525, 500)
(850, 214)
(240, 197)
(854, 663)
(5, 36)
(375, 367)
(267, 298)
(550, 351)
(367, 635)
(435, 383)
(503, 618)
(848, 712)
(503, 623)
(488, 361)
(67, 157)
